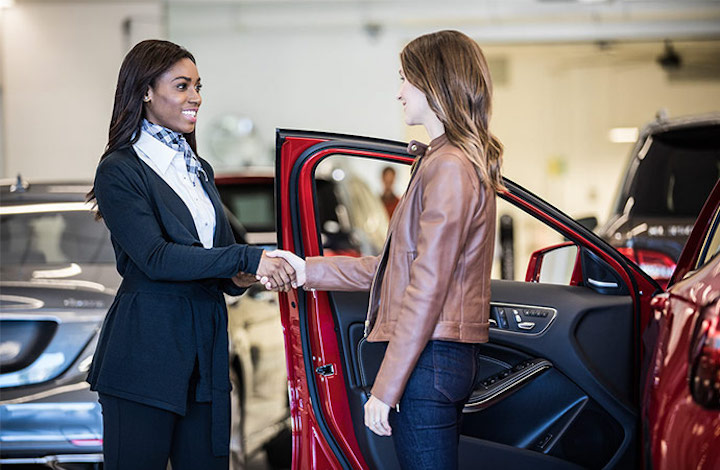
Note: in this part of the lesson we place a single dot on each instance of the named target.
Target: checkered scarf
(177, 142)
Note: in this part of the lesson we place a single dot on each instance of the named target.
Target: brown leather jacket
(432, 280)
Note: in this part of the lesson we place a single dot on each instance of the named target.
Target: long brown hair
(451, 70)
(139, 71)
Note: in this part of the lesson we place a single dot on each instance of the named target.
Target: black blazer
(169, 312)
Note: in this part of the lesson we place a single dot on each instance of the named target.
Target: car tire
(237, 421)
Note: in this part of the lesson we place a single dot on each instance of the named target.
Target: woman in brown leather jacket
(430, 288)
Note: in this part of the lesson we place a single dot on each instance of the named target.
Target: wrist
(254, 255)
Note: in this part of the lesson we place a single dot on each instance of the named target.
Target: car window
(252, 203)
(352, 212)
(711, 246)
(354, 216)
(519, 235)
(54, 238)
(676, 174)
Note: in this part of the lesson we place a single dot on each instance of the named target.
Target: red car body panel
(310, 449)
(682, 433)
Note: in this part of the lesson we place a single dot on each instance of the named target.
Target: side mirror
(704, 365)
(557, 264)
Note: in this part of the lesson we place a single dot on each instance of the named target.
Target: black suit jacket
(169, 312)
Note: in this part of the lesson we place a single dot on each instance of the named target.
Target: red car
(682, 391)
(580, 370)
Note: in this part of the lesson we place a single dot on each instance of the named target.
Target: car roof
(662, 125)
(20, 191)
(246, 175)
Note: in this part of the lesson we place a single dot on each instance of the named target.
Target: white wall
(313, 80)
(553, 114)
(561, 101)
(60, 65)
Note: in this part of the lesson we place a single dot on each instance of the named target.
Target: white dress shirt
(170, 165)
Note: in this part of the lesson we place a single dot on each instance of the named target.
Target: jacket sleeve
(230, 288)
(124, 204)
(340, 273)
(444, 224)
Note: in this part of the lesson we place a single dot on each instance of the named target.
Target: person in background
(388, 197)
(430, 288)
(161, 364)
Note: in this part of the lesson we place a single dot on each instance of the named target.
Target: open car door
(557, 385)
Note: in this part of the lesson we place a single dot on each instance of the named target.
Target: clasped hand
(279, 270)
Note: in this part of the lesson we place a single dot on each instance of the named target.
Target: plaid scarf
(177, 142)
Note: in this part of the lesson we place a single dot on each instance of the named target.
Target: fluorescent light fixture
(623, 135)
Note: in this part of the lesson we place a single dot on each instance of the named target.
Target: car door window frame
(712, 238)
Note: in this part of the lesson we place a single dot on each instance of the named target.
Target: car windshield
(31, 236)
(677, 174)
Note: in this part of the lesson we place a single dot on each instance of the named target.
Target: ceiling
(501, 21)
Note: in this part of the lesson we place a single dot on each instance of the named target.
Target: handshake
(279, 270)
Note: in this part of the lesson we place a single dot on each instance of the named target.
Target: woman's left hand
(242, 279)
(376, 417)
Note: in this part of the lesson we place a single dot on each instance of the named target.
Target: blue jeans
(426, 431)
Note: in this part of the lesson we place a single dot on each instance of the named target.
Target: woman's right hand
(377, 415)
(297, 263)
(275, 273)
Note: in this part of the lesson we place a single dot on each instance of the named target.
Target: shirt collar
(160, 154)
(419, 149)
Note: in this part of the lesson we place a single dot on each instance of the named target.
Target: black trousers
(143, 437)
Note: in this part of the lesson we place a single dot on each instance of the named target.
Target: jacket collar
(419, 149)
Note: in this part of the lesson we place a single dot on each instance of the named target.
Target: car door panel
(537, 412)
(561, 395)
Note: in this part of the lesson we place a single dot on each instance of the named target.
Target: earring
(146, 99)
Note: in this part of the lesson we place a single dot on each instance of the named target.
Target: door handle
(602, 284)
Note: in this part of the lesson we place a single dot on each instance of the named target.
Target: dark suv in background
(673, 167)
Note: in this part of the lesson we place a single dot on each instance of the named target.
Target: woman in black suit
(161, 364)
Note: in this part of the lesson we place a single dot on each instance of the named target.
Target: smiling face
(415, 103)
(174, 99)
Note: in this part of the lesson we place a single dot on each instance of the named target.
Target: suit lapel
(176, 205)
(401, 205)
(170, 199)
